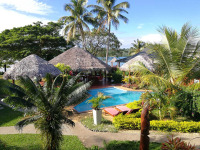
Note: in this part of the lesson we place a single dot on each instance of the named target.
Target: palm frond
(125, 19)
(78, 93)
(26, 121)
(18, 102)
(122, 5)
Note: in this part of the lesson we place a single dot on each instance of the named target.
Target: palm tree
(177, 59)
(49, 102)
(110, 13)
(78, 21)
(137, 47)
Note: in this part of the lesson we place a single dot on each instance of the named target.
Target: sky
(145, 16)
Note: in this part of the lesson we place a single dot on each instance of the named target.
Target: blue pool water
(118, 97)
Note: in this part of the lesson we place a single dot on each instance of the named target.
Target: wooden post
(145, 125)
(13, 81)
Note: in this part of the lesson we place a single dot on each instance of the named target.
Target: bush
(129, 122)
(117, 76)
(135, 104)
(176, 144)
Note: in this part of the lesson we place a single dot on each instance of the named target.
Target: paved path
(90, 138)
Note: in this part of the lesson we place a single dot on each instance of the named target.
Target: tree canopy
(42, 40)
(95, 42)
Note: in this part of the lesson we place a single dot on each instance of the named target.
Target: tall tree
(42, 40)
(137, 47)
(109, 14)
(78, 21)
(176, 60)
(49, 102)
(95, 42)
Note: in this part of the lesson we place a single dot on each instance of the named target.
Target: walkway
(90, 138)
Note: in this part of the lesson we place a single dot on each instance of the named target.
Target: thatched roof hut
(80, 60)
(142, 57)
(31, 66)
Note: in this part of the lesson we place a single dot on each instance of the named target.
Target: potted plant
(96, 104)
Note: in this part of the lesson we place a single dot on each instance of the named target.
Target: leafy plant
(97, 101)
(49, 102)
(117, 76)
(63, 68)
(176, 144)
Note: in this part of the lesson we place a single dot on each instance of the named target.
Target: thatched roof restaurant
(32, 66)
(80, 60)
(142, 57)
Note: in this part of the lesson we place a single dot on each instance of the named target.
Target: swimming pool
(118, 97)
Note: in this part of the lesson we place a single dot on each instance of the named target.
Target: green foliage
(9, 117)
(124, 145)
(97, 101)
(42, 40)
(78, 20)
(135, 104)
(131, 123)
(49, 100)
(95, 42)
(33, 142)
(63, 68)
(176, 144)
(117, 76)
(105, 126)
(137, 47)
(127, 122)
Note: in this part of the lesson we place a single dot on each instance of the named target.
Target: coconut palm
(49, 102)
(137, 47)
(109, 14)
(176, 59)
(78, 21)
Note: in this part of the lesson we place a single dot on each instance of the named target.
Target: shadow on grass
(9, 117)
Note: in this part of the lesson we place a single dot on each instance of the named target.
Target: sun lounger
(126, 110)
(112, 111)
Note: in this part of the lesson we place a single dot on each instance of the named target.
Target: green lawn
(9, 117)
(1, 76)
(105, 126)
(33, 142)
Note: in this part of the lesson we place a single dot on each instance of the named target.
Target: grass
(9, 117)
(33, 142)
(127, 145)
(105, 126)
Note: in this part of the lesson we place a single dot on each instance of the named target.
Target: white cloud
(152, 38)
(28, 6)
(140, 26)
(11, 19)
(126, 42)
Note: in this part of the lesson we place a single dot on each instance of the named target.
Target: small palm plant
(96, 104)
(49, 102)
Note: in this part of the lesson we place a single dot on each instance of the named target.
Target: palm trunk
(108, 44)
(5, 67)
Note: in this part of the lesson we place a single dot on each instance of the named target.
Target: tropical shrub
(135, 104)
(97, 101)
(49, 102)
(117, 76)
(131, 123)
(64, 68)
(176, 144)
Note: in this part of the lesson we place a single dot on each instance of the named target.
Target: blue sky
(145, 16)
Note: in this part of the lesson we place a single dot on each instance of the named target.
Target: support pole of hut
(13, 81)
(145, 125)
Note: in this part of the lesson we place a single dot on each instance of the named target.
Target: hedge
(128, 122)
